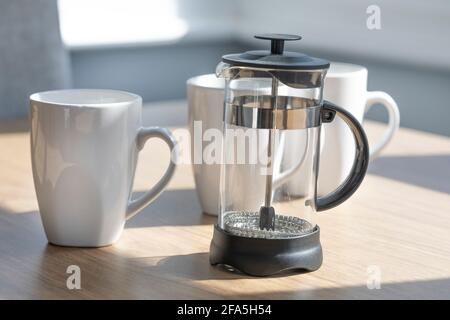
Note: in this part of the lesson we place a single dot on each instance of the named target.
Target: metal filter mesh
(246, 224)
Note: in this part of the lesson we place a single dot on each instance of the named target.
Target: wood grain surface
(396, 225)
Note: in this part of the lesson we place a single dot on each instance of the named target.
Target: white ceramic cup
(84, 150)
(205, 104)
(345, 86)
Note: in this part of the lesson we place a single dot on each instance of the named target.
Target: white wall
(412, 31)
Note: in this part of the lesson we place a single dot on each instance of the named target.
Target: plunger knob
(277, 40)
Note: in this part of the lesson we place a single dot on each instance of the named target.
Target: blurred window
(92, 23)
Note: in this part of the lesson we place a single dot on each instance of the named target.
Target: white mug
(84, 150)
(346, 86)
(205, 104)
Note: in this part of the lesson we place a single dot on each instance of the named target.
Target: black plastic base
(265, 257)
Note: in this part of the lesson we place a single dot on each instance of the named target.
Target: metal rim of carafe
(290, 113)
(232, 72)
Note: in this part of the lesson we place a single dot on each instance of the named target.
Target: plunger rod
(269, 176)
(267, 212)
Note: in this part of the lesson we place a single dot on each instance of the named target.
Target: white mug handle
(379, 97)
(144, 134)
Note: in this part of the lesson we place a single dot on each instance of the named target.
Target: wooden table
(397, 227)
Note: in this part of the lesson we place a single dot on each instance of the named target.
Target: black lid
(276, 58)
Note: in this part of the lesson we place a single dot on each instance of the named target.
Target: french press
(272, 96)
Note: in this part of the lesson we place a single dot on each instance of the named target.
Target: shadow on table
(41, 272)
(425, 289)
(431, 172)
(109, 276)
(22, 233)
(437, 289)
(196, 267)
(178, 207)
